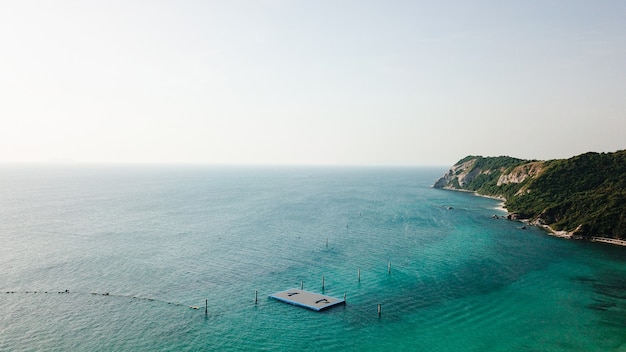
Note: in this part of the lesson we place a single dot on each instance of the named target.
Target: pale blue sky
(310, 82)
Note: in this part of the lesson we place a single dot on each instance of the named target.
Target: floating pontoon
(306, 299)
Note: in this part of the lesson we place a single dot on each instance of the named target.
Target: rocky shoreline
(548, 229)
(571, 235)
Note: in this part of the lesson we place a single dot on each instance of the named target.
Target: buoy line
(105, 294)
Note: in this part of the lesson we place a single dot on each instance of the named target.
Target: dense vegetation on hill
(585, 194)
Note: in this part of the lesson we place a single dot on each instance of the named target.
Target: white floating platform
(306, 299)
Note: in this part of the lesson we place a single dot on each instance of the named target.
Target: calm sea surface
(138, 247)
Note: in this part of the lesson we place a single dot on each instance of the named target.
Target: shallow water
(160, 240)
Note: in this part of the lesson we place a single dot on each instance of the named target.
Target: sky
(310, 82)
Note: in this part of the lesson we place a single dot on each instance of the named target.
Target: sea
(184, 257)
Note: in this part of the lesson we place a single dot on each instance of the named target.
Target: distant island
(583, 197)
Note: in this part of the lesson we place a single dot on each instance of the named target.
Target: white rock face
(464, 173)
(460, 172)
(521, 173)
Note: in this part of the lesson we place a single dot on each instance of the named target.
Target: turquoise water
(138, 246)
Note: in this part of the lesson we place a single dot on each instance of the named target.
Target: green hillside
(585, 194)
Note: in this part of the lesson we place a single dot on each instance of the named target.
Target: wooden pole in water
(256, 296)
(378, 309)
(344, 297)
(326, 242)
(206, 306)
(389, 267)
(302, 284)
(359, 273)
(322, 282)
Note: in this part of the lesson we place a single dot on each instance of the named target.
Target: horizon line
(179, 163)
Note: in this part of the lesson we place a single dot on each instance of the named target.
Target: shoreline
(571, 236)
(501, 199)
(550, 231)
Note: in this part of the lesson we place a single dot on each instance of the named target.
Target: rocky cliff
(503, 169)
(584, 196)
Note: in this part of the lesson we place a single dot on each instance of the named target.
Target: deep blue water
(138, 246)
